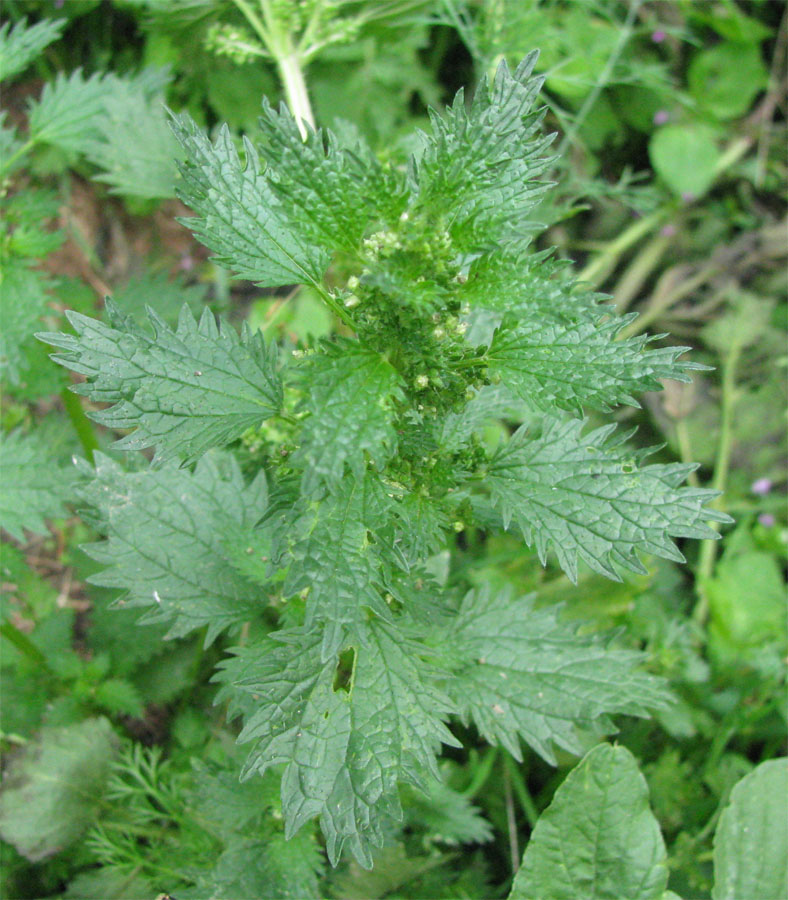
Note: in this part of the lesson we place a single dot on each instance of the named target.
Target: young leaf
(481, 162)
(163, 546)
(21, 44)
(238, 216)
(598, 839)
(344, 751)
(329, 191)
(33, 488)
(592, 500)
(53, 787)
(185, 391)
(351, 394)
(751, 842)
(521, 672)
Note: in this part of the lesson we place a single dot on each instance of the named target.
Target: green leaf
(20, 45)
(334, 554)
(725, 79)
(68, 111)
(22, 301)
(751, 842)
(329, 191)
(185, 391)
(33, 487)
(99, 884)
(593, 501)
(351, 394)
(344, 751)
(685, 157)
(52, 789)
(238, 216)
(481, 163)
(269, 867)
(598, 839)
(163, 546)
(550, 364)
(522, 672)
(133, 166)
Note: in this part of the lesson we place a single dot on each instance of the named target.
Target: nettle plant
(353, 657)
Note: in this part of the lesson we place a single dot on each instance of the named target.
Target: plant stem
(708, 550)
(81, 423)
(292, 76)
(523, 794)
(482, 773)
(597, 270)
(604, 76)
(511, 822)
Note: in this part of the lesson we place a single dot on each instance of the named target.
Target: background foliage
(120, 770)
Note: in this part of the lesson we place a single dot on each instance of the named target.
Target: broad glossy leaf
(751, 842)
(598, 839)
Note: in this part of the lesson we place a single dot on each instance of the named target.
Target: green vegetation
(405, 517)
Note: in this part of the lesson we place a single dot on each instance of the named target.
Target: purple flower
(661, 116)
(658, 36)
(687, 196)
(187, 263)
(766, 519)
(668, 231)
(761, 487)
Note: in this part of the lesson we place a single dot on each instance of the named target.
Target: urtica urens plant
(369, 457)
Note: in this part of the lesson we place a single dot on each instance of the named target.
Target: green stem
(708, 551)
(25, 148)
(638, 271)
(81, 423)
(604, 77)
(597, 270)
(523, 794)
(511, 822)
(292, 76)
(685, 449)
(482, 773)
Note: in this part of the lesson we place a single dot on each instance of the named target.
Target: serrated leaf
(33, 487)
(549, 363)
(22, 300)
(52, 789)
(522, 672)
(328, 190)
(163, 544)
(238, 216)
(344, 751)
(332, 553)
(751, 841)
(21, 44)
(68, 110)
(351, 394)
(482, 162)
(269, 867)
(598, 839)
(591, 500)
(184, 391)
(132, 166)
